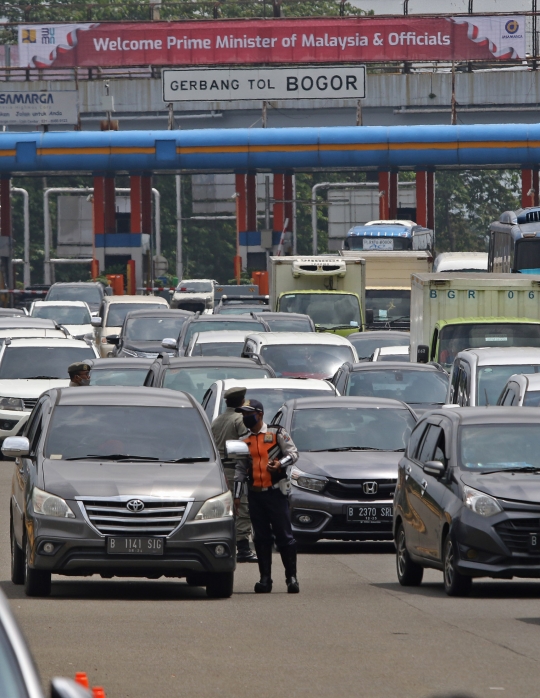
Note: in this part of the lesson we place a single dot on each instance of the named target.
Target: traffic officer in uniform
(79, 374)
(265, 472)
(230, 425)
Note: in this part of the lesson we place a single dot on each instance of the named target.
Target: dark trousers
(270, 514)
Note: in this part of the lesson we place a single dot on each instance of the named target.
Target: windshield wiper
(193, 459)
(517, 469)
(354, 448)
(112, 456)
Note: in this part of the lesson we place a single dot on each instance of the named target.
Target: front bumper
(329, 518)
(11, 422)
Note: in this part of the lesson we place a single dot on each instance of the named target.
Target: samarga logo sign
(228, 42)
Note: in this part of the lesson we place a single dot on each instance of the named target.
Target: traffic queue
(179, 441)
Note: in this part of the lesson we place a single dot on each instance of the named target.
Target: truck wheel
(409, 572)
(219, 585)
(455, 583)
(17, 558)
(36, 582)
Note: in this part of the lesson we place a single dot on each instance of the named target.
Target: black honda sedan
(344, 480)
(467, 500)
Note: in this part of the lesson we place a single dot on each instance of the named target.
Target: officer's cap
(251, 406)
(78, 367)
(237, 392)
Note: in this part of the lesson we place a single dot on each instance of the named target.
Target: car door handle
(407, 472)
(424, 487)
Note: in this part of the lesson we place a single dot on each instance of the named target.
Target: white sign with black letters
(217, 84)
(28, 108)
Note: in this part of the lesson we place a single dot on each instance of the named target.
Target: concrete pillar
(99, 223)
(288, 196)
(135, 201)
(430, 200)
(529, 187)
(241, 225)
(251, 201)
(109, 205)
(5, 230)
(279, 209)
(384, 195)
(421, 199)
(146, 205)
(392, 195)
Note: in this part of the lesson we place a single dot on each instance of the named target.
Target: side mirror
(67, 688)
(369, 316)
(96, 321)
(236, 449)
(15, 446)
(435, 468)
(169, 343)
(422, 354)
(113, 339)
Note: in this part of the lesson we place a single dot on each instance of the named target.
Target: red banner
(226, 42)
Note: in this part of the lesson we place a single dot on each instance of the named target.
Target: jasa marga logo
(511, 29)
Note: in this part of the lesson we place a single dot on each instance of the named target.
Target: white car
(226, 343)
(14, 327)
(391, 354)
(75, 316)
(272, 392)
(301, 354)
(28, 367)
(196, 295)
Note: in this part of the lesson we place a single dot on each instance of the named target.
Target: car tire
(219, 585)
(17, 558)
(36, 582)
(192, 580)
(409, 573)
(455, 583)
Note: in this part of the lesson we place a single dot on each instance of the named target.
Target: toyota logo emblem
(370, 487)
(135, 505)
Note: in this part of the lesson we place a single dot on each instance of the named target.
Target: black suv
(91, 292)
(144, 330)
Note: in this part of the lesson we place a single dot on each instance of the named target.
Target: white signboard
(37, 108)
(315, 82)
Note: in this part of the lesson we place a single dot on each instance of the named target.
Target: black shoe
(292, 585)
(288, 557)
(264, 586)
(246, 556)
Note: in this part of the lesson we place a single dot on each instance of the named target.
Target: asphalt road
(352, 631)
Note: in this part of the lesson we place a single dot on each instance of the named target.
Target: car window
(63, 314)
(213, 326)
(365, 345)
(413, 387)
(118, 311)
(286, 325)
(211, 404)
(34, 421)
(415, 439)
(491, 380)
(11, 680)
(509, 397)
(197, 380)
(429, 443)
(41, 362)
(123, 376)
(499, 446)
(306, 360)
(464, 384)
(82, 292)
(273, 398)
(532, 398)
(218, 349)
(153, 329)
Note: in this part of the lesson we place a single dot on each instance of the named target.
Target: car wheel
(455, 583)
(36, 582)
(219, 585)
(192, 580)
(17, 558)
(409, 572)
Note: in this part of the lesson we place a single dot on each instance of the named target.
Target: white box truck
(388, 285)
(330, 289)
(452, 312)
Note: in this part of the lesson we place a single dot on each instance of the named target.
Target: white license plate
(137, 545)
(369, 513)
(377, 244)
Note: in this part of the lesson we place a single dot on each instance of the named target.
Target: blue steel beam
(272, 149)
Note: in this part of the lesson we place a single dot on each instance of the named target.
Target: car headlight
(50, 505)
(307, 481)
(219, 507)
(11, 403)
(480, 503)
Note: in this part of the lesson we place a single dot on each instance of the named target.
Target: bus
(391, 235)
(514, 242)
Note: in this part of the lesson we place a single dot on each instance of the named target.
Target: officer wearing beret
(79, 374)
(230, 425)
(271, 451)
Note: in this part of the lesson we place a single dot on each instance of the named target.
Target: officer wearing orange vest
(265, 472)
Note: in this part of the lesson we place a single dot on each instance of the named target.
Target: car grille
(354, 489)
(159, 517)
(515, 533)
(30, 403)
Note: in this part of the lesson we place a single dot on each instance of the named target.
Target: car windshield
(404, 358)
(325, 309)
(273, 398)
(197, 380)
(153, 329)
(285, 324)
(365, 345)
(218, 349)
(527, 255)
(240, 309)
(218, 326)
(381, 429)
(115, 376)
(492, 379)
(532, 398)
(87, 293)
(414, 387)
(158, 433)
(41, 362)
(195, 287)
(63, 314)
(306, 360)
(456, 338)
(118, 311)
(499, 446)
(389, 306)
(11, 680)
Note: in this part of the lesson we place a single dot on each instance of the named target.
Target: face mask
(84, 381)
(250, 420)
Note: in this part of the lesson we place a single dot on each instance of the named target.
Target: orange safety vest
(263, 448)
